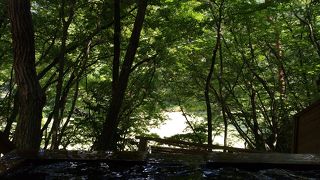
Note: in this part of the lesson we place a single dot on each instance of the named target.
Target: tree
(120, 82)
(31, 97)
(211, 71)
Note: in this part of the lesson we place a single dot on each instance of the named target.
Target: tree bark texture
(31, 98)
(107, 139)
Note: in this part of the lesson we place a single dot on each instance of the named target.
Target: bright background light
(176, 124)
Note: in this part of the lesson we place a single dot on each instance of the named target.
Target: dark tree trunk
(13, 116)
(255, 128)
(210, 74)
(31, 98)
(59, 101)
(224, 116)
(73, 105)
(10, 119)
(116, 49)
(5, 145)
(107, 140)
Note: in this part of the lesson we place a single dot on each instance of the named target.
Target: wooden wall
(307, 130)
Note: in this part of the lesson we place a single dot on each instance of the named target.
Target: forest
(94, 74)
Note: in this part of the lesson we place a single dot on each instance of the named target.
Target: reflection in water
(153, 169)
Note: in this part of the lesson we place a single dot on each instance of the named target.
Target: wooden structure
(16, 159)
(251, 161)
(182, 146)
(307, 130)
(257, 161)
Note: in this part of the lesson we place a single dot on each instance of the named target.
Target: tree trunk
(13, 116)
(57, 116)
(73, 105)
(210, 74)
(5, 145)
(256, 129)
(224, 116)
(107, 140)
(189, 123)
(117, 46)
(31, 98)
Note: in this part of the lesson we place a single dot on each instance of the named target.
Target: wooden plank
(249, 161)
(241, 160)
(92, 155)
(185, 144)
(143, 145)
(270, 158)
(14, 160)
(158, 149)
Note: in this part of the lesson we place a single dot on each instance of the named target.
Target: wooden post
(143, 144)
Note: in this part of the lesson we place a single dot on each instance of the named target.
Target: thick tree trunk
(31, 98)
(107, 140)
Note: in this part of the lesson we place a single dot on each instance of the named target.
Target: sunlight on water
(176, 124)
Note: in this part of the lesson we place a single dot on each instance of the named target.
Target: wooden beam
(264, 160)
(185, 144)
